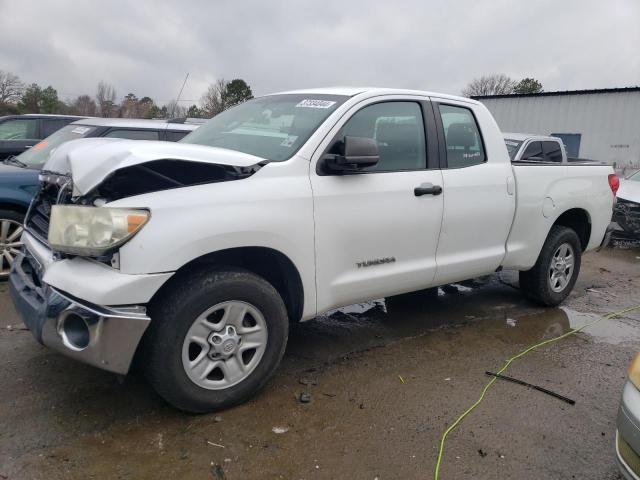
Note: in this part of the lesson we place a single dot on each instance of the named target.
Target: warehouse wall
(609, 122)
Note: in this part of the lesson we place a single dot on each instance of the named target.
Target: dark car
(20, 132)
(19, 175)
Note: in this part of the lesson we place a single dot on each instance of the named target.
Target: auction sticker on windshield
(310, 103)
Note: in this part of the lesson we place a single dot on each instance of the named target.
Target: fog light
(74, 330)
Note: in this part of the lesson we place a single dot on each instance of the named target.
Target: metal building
(595, 124)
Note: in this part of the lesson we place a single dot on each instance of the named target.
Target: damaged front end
(62, 291)
(627, 214)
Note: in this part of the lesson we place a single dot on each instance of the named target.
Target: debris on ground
(305, 397)
(215, 444)
(279, 430)
(217, 419)
(401, 379)
(482, 453)
(511, 322)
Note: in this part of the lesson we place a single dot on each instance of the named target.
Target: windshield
(635, 177)
(272, 127)
(37, 155)
(512, 147)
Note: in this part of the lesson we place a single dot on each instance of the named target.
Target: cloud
(147, 47)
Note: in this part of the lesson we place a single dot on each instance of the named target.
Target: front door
(375, 235)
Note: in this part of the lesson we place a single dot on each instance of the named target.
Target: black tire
(535, 283)
(173, 315)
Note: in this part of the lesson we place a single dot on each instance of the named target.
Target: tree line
(16, 97)
(501, 84)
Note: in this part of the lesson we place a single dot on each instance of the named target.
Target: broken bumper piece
(105, 337)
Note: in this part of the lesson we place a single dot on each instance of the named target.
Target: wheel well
(578, 220)
(14, 207)
(270, 264)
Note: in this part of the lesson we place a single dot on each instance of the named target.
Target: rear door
(374, 235)
(479, 200)
(17, 134)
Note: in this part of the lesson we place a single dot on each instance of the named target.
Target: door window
(462, 137)
(533, 152)
(51, 126)
(397, 128)
(175, 135)
(19, 129)
(134, 134)
(552, 151)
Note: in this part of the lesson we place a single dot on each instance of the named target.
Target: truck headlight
(93, 231)
(634, 371)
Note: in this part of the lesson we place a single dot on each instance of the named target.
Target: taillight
(614, 182)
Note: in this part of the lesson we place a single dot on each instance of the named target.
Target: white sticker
(310, 103)
(81, 130)
(289, 141)
(512, 143)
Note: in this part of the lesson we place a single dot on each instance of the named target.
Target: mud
(382, 380)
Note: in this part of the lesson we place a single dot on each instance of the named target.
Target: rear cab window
(462, 136)
(552, 151)
(533, 152)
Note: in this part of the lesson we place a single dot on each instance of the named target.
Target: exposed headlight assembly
(93, 231)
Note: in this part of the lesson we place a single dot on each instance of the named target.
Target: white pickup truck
(196, 256)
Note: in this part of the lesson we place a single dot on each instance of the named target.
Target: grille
(627, 215)
(52, 189)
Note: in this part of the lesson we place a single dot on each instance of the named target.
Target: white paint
(327, 224)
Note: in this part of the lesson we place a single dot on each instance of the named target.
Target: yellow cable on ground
(506, 365)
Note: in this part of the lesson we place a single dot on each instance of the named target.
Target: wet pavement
(384, 379)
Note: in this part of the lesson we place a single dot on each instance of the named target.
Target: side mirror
(358, 153)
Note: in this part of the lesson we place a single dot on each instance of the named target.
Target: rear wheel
(10, 244)
(215, 340)
(555, 273)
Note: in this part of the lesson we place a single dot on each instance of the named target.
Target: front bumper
(105, 337)
(628, 433)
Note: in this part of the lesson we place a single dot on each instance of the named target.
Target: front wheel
(215, 340)
(555, 273)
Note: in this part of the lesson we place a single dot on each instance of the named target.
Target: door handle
(427, 189)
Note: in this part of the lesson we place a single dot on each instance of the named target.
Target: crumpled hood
(90, 160)
(629, 190)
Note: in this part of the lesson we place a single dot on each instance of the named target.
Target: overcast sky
(147, 46)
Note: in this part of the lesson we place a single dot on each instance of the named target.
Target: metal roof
(561, 92)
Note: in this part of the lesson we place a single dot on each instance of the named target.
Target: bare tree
(10, 88)
(106, 97)
(174, 109)
(214, 100)
(85, 105)
(495, 84)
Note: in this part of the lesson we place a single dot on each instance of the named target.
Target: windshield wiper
(15, 161)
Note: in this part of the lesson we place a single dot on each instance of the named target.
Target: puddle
(614, 330)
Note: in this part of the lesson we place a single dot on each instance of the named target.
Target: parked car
(277, 210)
(19, 176)
(628, 425)
(627, 210)
(532, 148)
(20, 132)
